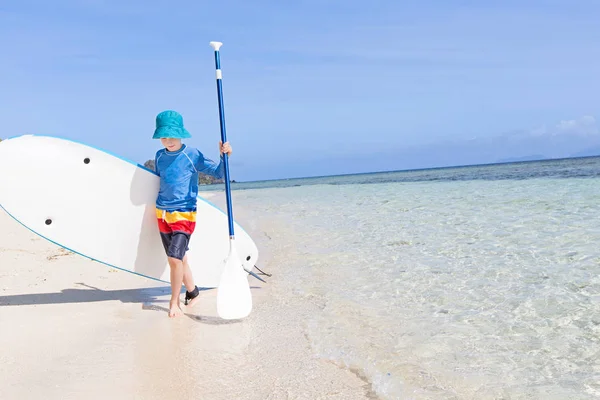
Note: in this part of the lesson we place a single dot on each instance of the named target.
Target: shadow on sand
(145, 296)
(89, 295)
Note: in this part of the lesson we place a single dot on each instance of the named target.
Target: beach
(474, 283)
(74, 328)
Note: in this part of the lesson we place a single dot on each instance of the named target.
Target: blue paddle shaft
(224, 139)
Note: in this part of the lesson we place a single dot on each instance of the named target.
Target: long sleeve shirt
(178, 171)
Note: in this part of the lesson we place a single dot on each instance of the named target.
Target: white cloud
(584, 126)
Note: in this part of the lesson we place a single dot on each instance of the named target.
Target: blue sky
(310, 87)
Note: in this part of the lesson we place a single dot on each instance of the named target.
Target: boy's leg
(191, 295)
(176, 229)
(186, 224)
(171, 245)
(188, 278)
(176, 266)
(181, 273)
(176, 256)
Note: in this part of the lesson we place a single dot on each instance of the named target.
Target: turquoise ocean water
(476, 282)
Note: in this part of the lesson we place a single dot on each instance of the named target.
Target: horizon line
(415, 169)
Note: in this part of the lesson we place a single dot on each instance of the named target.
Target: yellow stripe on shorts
(171, 217)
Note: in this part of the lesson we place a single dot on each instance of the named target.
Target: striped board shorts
(176, 228)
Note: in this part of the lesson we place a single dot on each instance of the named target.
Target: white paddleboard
(103, 207)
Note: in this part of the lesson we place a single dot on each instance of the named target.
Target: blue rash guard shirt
(178, 171)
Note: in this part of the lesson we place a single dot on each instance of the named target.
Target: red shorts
(176, 228)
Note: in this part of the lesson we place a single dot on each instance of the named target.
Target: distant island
(203, 179)
(534, 157)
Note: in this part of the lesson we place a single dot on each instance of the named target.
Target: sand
(72, 328)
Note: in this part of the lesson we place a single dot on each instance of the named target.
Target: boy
(178, 166)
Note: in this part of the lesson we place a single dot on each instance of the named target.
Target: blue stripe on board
(81, 254)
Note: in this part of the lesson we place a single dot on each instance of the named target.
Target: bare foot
(174, 310)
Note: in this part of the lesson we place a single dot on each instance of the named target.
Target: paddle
(234, 299)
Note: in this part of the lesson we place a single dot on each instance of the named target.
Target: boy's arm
(209, 167)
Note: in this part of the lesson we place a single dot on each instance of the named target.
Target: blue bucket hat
(169, 124)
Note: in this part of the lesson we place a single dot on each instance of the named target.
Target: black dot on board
(248, 258)
(86, 160)
(48, 221)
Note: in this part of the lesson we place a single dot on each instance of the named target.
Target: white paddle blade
(234, 299)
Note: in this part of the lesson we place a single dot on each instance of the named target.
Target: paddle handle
(216, 46)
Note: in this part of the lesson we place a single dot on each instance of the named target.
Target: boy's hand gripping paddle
(234, 299)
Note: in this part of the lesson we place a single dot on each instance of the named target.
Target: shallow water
(446, 289)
